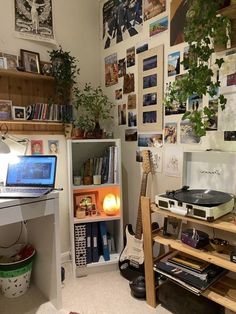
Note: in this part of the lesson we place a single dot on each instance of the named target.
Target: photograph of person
(53, 146)
(150, 99)
(36, 147)
(150, 117)
(170, 133)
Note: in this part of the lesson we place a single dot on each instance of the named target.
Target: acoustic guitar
(131, 261)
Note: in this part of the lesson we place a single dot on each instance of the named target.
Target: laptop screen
(35, 171)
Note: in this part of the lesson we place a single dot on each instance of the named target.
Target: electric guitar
(131, 261)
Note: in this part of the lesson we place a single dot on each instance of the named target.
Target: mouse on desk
(138, 287)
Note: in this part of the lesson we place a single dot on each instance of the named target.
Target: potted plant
(64, 71)
(94, 107)
(204, 29)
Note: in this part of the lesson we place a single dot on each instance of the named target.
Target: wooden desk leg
(148, 251)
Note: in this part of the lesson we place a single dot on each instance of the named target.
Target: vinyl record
(28, 112)
(203, 197)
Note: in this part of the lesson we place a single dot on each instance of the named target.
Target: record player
(208, 194)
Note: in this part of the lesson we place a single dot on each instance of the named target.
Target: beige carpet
(102, 293)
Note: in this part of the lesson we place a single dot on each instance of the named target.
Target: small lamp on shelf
(111, 204)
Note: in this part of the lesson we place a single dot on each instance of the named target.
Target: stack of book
(192, 273)
(45, 112)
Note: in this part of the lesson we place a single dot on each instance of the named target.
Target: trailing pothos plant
(204, 29)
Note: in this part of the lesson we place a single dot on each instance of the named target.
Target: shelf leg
(148, 252)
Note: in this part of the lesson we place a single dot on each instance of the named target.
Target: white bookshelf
(78, 152)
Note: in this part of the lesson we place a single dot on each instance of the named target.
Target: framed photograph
(36, 147)
(11, 61)
(30, 61)
(3, 63)
(5, 109)
(86, 202)
(18, 113)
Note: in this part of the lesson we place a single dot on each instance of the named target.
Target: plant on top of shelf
(94, 107)
(65, 71)
(204, 29)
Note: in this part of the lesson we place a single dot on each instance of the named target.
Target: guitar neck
(139, 228)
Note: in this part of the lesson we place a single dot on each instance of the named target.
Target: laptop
(30, 176)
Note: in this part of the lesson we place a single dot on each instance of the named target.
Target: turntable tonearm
(202, 204)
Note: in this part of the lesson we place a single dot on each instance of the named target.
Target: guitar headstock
(146, 163)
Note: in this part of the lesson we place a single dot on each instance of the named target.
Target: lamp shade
(4, 148)
(111, 204)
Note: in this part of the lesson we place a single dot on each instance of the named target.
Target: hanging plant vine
(204, 29)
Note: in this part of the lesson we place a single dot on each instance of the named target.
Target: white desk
(42, 216)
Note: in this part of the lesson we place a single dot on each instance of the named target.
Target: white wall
(76, 28)
(158, 183)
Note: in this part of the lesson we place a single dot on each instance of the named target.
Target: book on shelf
(88, 243)
(94, 231)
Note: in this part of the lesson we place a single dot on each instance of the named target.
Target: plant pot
(77, 133)
(68, 130)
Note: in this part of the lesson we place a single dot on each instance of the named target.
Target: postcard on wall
(130, 135)
(187, 133)
(132, 119)
(34, 20)
(132, 101)
(157, 160)
(149, 99)
(121, 67)
(170, 133)
(150, 140)
(122, 114)
(53, 147)
(226, 122)
(195, 102)
(141, 47)
(121, 20)
(178, 12)
(111, 70)
(36, 147)
(128, 85)
(186, 58)
(153, 8)
(130, 57)
(213, 106)
(173, 159)
(118, 94)
(174, 63)
(158, 26)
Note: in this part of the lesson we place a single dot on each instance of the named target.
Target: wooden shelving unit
(224, 290)
(24, 89)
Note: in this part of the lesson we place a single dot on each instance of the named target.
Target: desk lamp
(12, 144)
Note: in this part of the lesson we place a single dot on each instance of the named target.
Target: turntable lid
(213, 170)
(203, 197)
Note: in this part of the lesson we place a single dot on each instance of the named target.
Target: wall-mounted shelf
(32, 127)
(24, 75)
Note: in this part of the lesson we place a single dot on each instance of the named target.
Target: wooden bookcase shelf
(224, 290)
(24, 89)
(32, 127)
(229, 11)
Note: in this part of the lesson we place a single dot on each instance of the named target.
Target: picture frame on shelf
(3, 63)
(86, 202)
(30, 61)
(11, 61)
(5, 109)
(18, 113)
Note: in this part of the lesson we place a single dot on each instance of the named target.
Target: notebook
(30, 176)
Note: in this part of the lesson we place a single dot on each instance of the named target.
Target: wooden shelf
(32, 127)
(24, 75)
(229, 11)
(102, 217)
(213, 257)
(223, 292)
(226, 223)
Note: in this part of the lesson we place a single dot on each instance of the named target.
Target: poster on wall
(178, 11)
(121, 20)
(34, 20)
